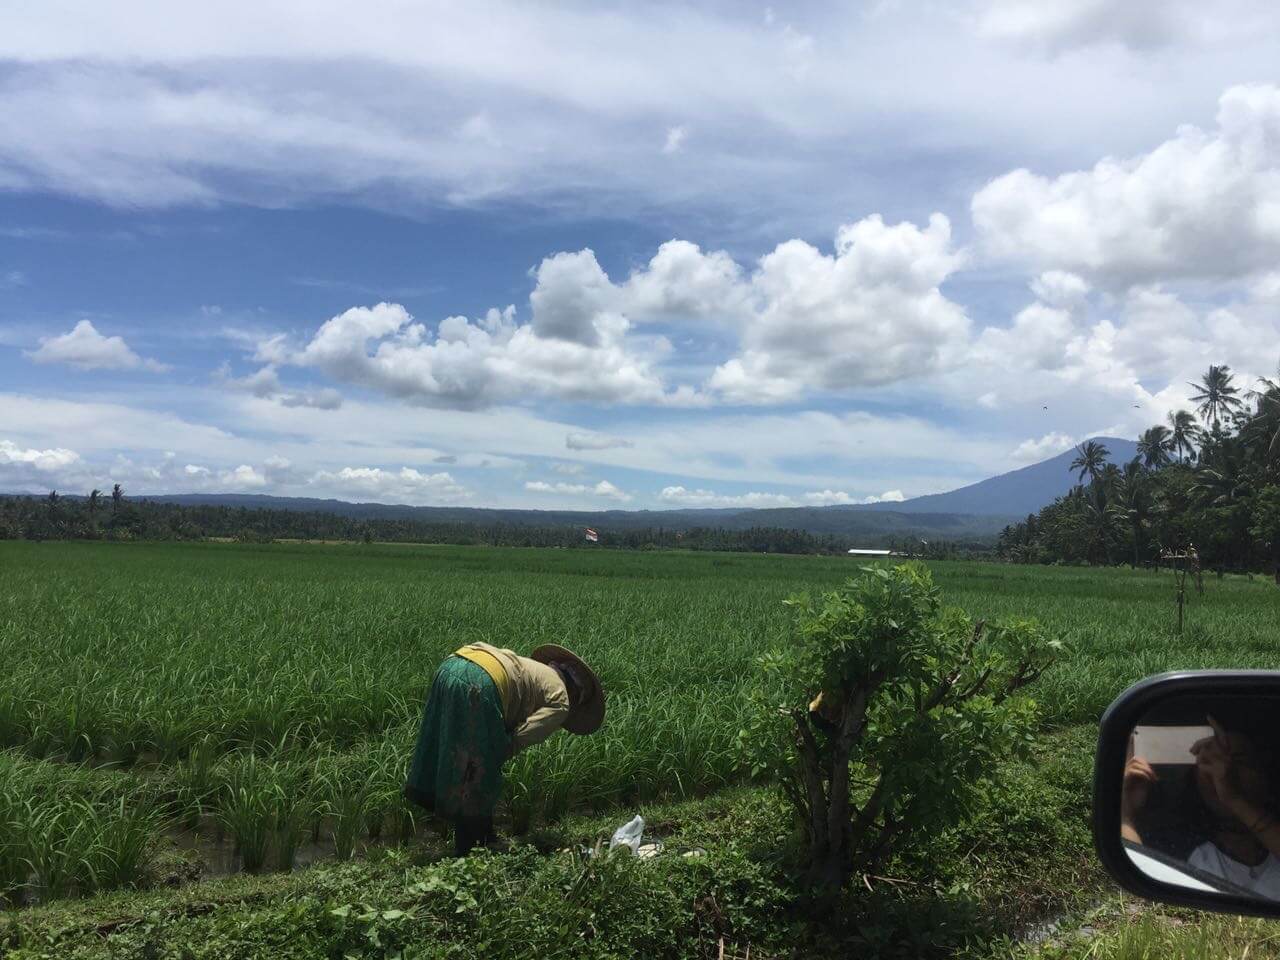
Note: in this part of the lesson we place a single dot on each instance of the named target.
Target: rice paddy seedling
(123, 837)
(56, 848)
(245, 809)
(81, 847)
(520, 797)
(67, 829)
(347, 810)
(347, 795)
(401, 819)
(279, 689)
(13, 869)
(382, 767)
(293, 808)
(195, 783)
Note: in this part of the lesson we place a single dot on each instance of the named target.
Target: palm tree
(1225, 483)
(117, 494)
(53, 503)
(1267, 420)
(1098, 519)
(1222, 485)
(1090, 458)
(1153, 447)
(1216, 394)
(95, 501)
(1133, 504)
(1183, 432)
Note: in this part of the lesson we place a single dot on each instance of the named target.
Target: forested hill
(973, 514)
(979, 510)
(839, 520)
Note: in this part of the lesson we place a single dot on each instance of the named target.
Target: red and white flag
(592, 535)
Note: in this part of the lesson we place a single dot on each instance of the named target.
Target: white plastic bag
(628, 836)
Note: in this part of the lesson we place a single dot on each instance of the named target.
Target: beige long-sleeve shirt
(537, 702)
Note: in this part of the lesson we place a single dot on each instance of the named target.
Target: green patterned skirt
(462, 744)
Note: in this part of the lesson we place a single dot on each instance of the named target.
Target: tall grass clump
(66, 831)
(347, 793)
(55, 848)
(293, 806)
(246, 808)
(195, 782)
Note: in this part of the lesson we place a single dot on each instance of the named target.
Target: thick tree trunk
(824, 880)
(827, 791)
(815, 795)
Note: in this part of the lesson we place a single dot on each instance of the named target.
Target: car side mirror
(1186, 790)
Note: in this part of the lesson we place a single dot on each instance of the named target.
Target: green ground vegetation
(269, 694)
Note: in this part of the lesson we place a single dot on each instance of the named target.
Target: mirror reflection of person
(1235, 799)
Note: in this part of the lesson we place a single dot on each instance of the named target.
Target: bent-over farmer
(486, 705)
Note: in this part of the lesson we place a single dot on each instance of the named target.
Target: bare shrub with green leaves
(915, 711)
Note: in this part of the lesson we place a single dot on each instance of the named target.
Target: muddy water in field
(213, 854)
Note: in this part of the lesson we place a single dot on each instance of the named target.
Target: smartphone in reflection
(1167, 744)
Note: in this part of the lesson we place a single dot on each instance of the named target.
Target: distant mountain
(1016, 493)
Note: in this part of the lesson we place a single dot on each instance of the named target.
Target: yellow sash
(490, 664)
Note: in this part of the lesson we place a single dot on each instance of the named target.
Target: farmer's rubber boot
(472, 832)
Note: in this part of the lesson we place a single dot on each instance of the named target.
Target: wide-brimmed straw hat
(584, 717)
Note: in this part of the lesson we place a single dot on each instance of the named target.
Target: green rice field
(266, 697)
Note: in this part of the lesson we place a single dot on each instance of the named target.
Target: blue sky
(631, 256)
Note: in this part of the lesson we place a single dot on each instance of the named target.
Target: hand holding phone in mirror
(1139, 778)
(1188, 812)
(1167, 745)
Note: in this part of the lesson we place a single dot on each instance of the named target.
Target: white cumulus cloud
(1075, 362)
(681, 497)
(405, 485)
(603, 489)
(243, 477)
(87, 349)
(1205, 203)
(571, 350)
(1050, 445)
(682, 281)
(870, 314)
(265, 384)
(827, 498)
(45, 460)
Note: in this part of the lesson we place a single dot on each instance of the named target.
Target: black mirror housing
(1115, 749)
